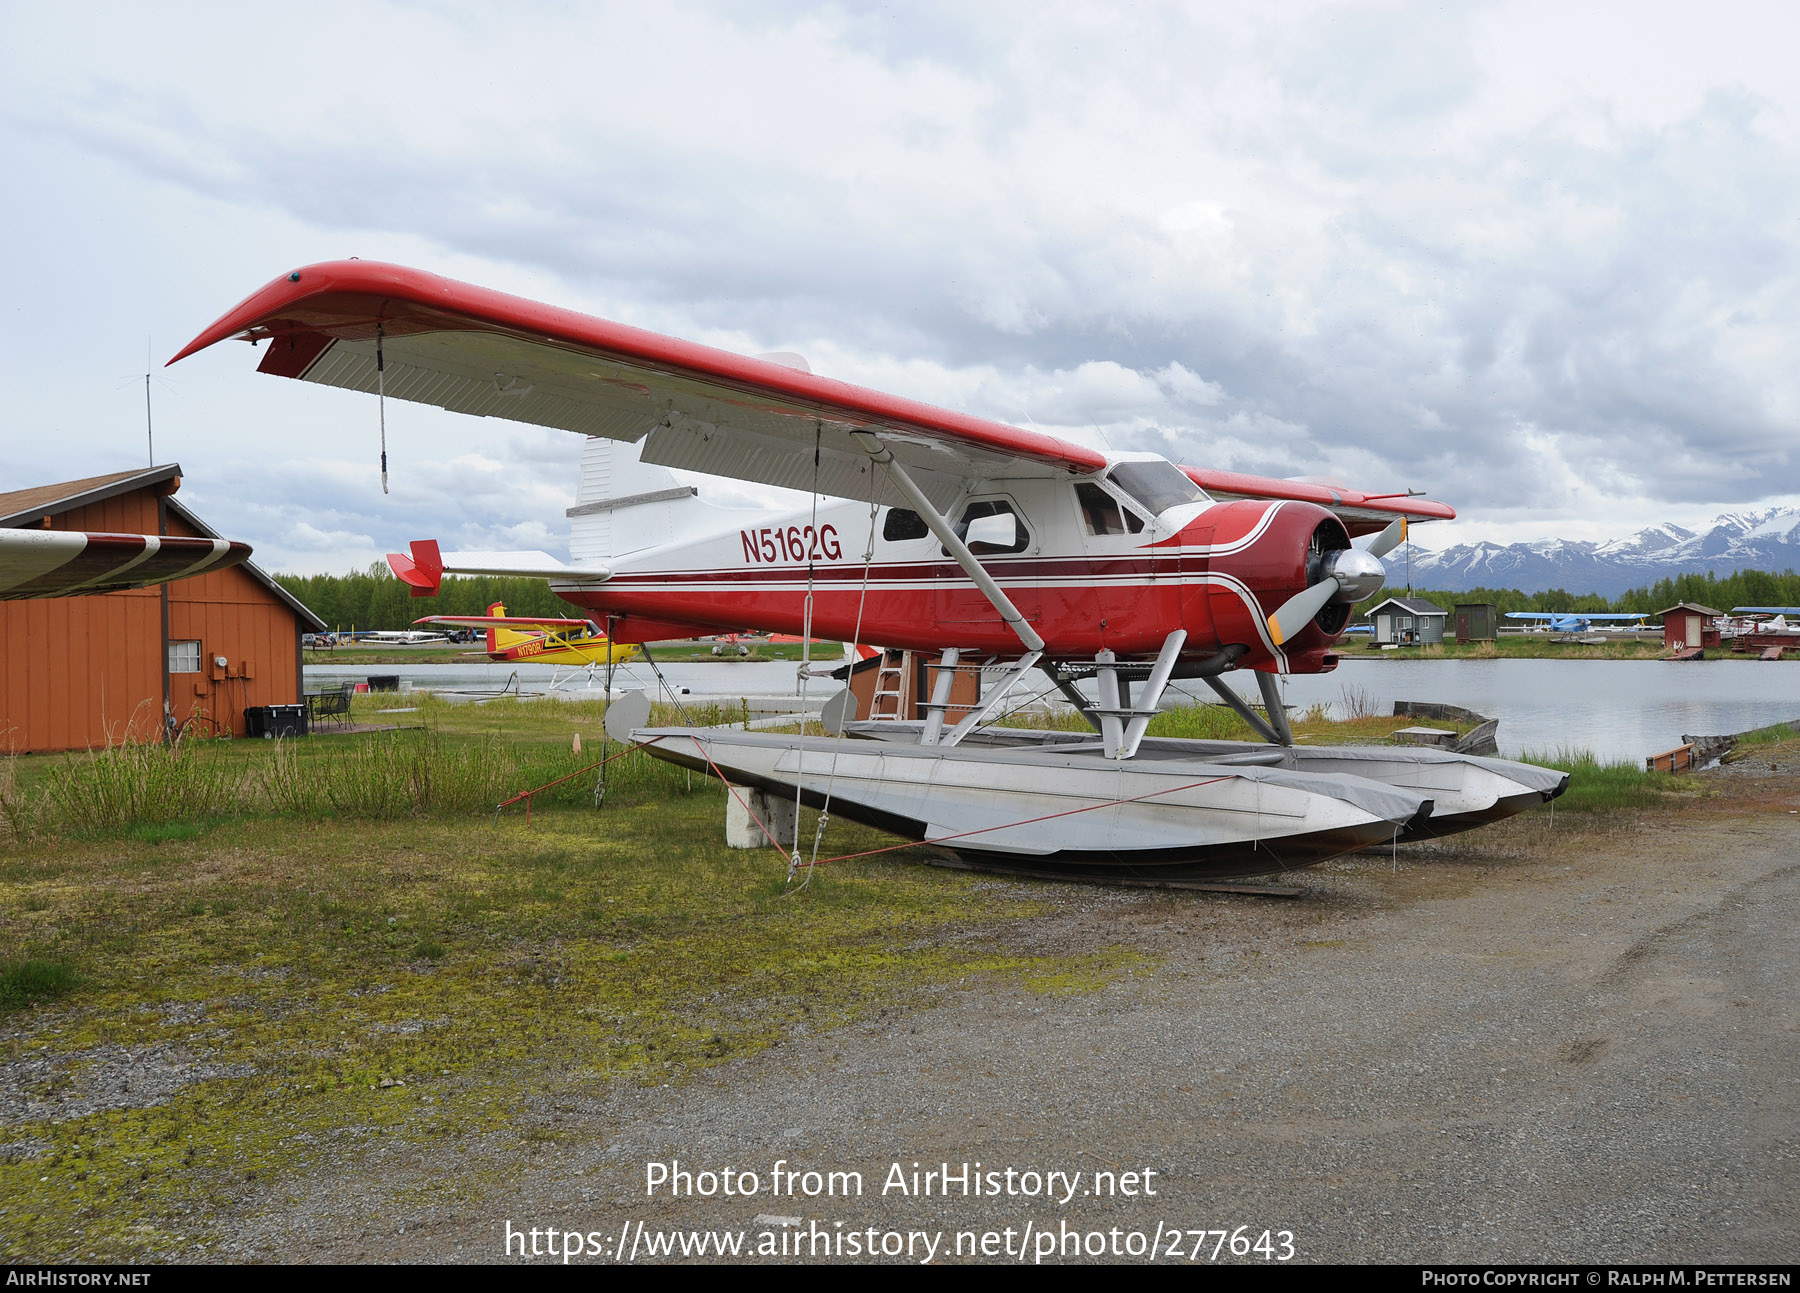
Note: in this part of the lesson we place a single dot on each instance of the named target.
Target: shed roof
(1692, 608)
(1411, 605)
(23, 507)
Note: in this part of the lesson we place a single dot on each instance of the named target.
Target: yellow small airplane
(536, 640)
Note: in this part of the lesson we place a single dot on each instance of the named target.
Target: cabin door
(957, 603)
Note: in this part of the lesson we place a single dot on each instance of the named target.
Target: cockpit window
(1101, 513)
(1157, 485)
(903, 524)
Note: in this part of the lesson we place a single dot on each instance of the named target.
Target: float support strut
(1230, 697)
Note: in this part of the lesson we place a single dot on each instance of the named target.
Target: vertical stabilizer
(624, 504)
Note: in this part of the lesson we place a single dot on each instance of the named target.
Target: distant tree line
(374, 599)
(1745, 588)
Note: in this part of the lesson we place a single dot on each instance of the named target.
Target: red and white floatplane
(993, 547)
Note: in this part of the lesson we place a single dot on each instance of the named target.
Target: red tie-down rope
(527, 794)
(942, 839)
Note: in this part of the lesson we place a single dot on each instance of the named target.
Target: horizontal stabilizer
(425, 568)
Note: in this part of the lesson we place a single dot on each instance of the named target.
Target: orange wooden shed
(82, 672)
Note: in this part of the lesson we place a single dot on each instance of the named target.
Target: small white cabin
(1406, 621)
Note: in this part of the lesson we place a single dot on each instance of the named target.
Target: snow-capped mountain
(1767, 540)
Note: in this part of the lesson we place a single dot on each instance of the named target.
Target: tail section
(500, 638)
(624, 504)
(423, 569)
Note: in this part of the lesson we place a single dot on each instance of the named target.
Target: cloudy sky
(1539, 260)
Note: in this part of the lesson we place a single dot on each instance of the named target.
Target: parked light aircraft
(400, 637)
(538, 640)
(933, 531)
(1573, 621)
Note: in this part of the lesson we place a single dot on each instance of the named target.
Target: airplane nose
(1358, 574)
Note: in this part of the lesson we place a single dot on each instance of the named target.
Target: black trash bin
(384, 682)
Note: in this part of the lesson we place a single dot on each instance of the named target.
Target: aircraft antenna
(149, 428)
(381, 401)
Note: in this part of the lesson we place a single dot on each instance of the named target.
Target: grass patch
(1774, 734)
(29, 981)
(1596, 787)
(459, 760)
(1520, 646)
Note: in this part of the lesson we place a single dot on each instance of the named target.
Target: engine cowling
(1276, 552)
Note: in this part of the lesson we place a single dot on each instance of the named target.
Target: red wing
(71, 563)
(502, 622)
(481, 352)
(475, 351)
(1361, 513)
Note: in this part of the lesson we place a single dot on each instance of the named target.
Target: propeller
(1388, 539)
(1351, 575)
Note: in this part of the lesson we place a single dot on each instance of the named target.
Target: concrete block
(777, 813)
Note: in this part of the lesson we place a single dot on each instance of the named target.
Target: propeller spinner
(1350, 575)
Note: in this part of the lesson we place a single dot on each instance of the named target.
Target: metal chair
(333, 704)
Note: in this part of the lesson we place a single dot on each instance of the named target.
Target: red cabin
(1687, 625)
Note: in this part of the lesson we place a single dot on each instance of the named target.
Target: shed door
(1693, 630)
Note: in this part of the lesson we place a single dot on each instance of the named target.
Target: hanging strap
(381, 400)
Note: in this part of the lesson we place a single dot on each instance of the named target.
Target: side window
(1099, 510)
(184, 657)
(992, 507)
(1101, 513)
(902, 524)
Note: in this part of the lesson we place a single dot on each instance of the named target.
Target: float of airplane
(999, 548)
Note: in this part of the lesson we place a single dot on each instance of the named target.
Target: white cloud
(1539, 261)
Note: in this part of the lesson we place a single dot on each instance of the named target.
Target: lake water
(1618, 709)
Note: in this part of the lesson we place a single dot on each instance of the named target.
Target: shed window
(184, 657)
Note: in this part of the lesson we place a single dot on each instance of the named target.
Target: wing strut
(939, 525)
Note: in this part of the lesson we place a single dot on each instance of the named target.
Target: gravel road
(1534, 1043)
